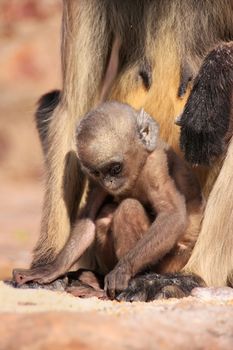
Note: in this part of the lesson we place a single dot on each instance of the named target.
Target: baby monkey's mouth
(119, 191)
(112, 187)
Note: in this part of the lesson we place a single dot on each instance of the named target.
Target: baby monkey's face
(113, 142)
(112, 175)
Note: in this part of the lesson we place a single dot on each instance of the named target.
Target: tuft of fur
(152, 286)
(46, 105)
(206, 117)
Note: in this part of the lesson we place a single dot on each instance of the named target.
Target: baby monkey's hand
(118, 279)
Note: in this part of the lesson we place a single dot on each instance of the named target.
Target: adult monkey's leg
(212, 257)
(83, 48)
(206, 131)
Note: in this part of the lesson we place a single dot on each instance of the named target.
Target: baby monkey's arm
(169, 225)
(81, 238)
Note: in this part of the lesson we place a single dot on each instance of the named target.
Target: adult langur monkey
(175, 56)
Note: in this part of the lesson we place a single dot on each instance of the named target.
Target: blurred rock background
(29, 67)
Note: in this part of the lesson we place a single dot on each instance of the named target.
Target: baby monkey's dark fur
(144, 205)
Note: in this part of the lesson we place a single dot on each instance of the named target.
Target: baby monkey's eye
(95, 173)
(115, 169)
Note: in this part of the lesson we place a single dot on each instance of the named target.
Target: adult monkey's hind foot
(41, 274)
(154, 286)
(59, 284)
(82, 283)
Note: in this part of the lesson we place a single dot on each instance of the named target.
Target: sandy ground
(41, 319)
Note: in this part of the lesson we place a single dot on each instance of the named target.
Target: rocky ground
(39, 319)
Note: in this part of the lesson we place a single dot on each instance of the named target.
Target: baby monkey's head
(113, 142)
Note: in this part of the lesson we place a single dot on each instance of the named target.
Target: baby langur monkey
(144, 206)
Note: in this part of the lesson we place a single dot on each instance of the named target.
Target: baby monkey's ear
(148, 130)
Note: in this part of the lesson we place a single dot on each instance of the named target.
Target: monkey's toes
(26, 282)
(87, 292)
(132, 296)
(21, 276)
(43, 279)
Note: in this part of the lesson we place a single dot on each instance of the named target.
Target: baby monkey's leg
(118, 228)
(104, 244)
(130, 222)
(88, 283)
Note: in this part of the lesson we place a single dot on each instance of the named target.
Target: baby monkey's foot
(42, 274)
(153, 286)
(85, 291)
(86, 284)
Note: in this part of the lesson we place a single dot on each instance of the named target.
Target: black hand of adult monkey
(154, 286)
(206, 117)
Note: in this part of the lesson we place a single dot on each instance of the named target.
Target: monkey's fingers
(109, 285)
(109, 290)
(115, 282)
